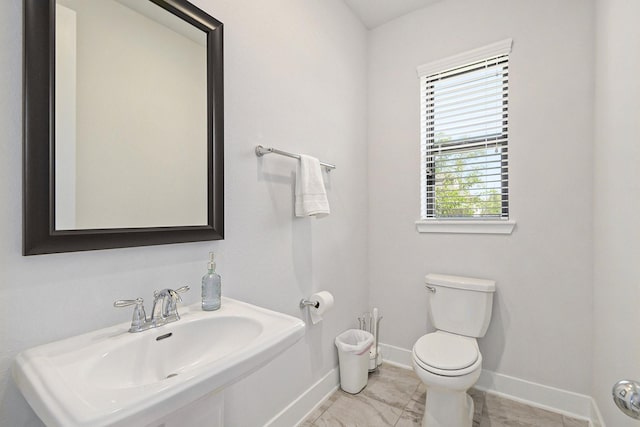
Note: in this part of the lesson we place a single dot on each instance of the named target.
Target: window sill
(465, 227)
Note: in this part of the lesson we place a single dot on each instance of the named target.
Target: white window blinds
(464, 121)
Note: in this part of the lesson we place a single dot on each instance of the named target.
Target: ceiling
(377, 12)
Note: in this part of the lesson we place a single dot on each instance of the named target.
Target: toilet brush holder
(371, 323)
(373, 360)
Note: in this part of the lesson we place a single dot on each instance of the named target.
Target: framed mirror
(123, 125)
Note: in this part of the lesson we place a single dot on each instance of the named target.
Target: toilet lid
(446, 351)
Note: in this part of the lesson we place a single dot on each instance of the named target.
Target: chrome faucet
(164, 309)
(165, 305)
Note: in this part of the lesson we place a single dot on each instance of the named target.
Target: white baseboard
(308, 401)
(596, 416)
(396, 355)
(538, 395)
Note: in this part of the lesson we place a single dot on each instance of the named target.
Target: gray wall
(616, 184)
(541, 326)
(295, 79)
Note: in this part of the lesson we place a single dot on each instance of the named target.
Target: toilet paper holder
(317, 305)
(308, 303)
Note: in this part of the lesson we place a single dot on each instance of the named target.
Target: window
(464, 121)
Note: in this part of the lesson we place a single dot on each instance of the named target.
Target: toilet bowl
(448, 365)
(448, 361)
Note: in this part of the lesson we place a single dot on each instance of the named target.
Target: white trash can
(353, 355)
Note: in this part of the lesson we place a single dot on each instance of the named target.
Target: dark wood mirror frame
(39, 233)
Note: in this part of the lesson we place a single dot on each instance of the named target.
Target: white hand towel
(311, 196)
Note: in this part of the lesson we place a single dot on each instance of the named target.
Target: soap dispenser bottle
(211, 287)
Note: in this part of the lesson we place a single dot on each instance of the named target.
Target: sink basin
(112, 377)
(160, 356)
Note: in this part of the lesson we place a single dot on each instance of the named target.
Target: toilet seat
(447, 354)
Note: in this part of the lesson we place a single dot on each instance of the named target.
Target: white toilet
(448, 361)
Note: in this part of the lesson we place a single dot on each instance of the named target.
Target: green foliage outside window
(460, 187)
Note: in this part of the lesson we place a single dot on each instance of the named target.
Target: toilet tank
(460, 305)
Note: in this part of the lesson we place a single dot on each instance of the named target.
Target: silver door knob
(626, 395)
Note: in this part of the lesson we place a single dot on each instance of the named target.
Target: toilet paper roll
(325, 303)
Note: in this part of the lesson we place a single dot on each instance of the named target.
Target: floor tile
(420, 394)
(395, 397)
(478, 404)
(409, 420)
(358, 411)
(414, 410)
(392, 386)
(500, 412)
(391, 371)
(574, 422)
(315, 414)
(306, 423)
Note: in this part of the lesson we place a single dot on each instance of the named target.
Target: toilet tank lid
(459, 282)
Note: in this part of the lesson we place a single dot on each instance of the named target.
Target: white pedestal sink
(162, 376)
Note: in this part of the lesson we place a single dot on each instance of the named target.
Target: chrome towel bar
(261, 151)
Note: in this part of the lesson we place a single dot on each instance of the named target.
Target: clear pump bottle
(211, 287)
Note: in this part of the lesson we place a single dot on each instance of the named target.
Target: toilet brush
(375, 358)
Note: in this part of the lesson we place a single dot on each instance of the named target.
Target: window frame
(500, 139)
(500, 223)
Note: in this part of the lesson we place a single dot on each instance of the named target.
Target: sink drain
(172, 375)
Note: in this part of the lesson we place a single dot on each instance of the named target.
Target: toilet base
(447, 409)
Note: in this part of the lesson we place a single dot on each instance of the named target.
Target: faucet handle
(171, 307)
(139, 319)
(181, 289)
(174, 293)
(128, 302)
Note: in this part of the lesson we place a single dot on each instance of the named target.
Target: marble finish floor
(395, 397)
